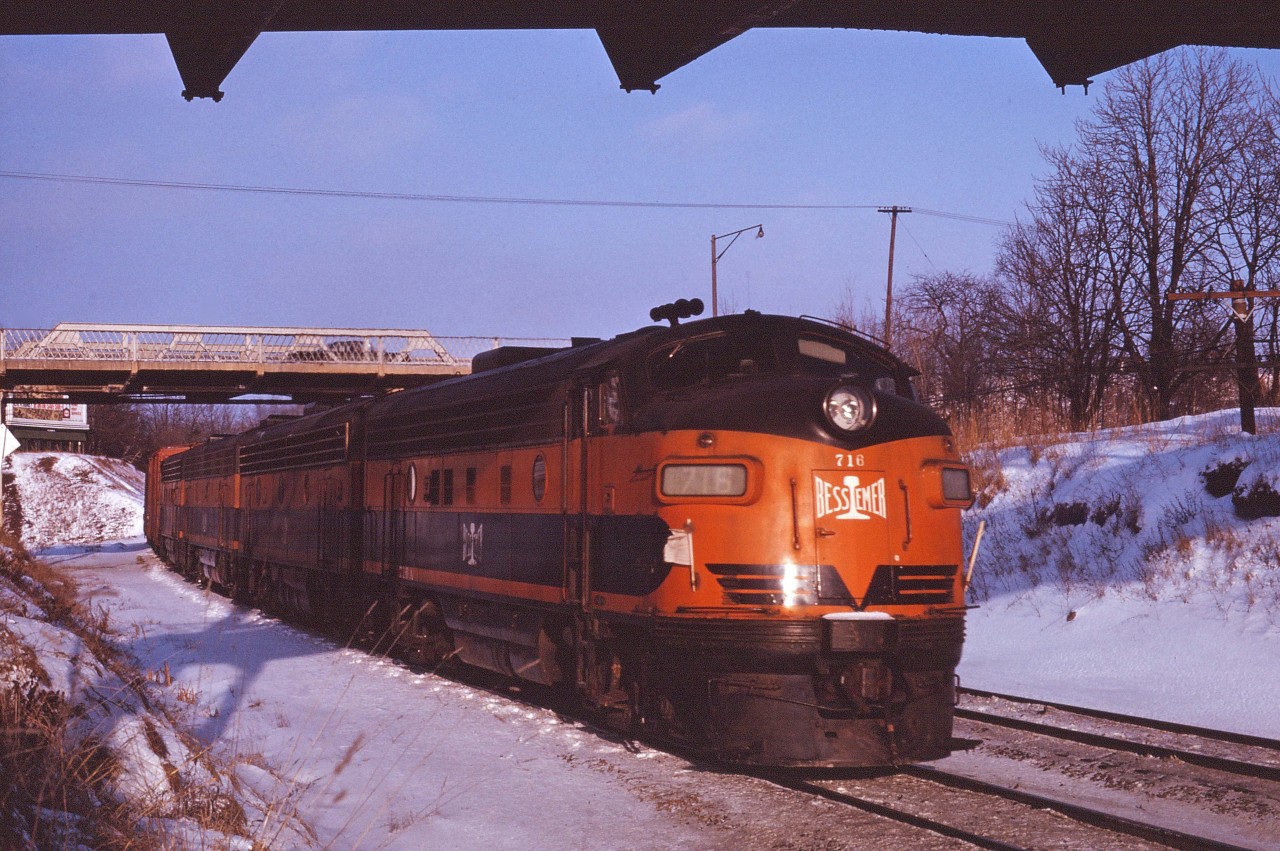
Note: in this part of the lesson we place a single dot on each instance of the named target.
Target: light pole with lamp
(715, 258)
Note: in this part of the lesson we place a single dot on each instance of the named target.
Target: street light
(715, 258)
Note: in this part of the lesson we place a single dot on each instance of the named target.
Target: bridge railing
(249, 346)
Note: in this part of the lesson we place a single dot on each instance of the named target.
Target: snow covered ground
(367, 752)
(65, 498)
(1108, 576)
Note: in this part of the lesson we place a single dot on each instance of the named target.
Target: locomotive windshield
(820, 354)
(718, 357)
(711, 358)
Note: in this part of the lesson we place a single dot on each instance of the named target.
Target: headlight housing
(850, 408)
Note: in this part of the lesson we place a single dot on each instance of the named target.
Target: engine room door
(224, 515)
(393, 522)
(574, 455)
(329, 535)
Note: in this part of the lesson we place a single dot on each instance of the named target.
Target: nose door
(851, 518)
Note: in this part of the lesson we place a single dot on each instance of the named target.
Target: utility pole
(1246, 359)
(888, 291)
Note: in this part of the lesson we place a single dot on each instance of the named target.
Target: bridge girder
(648, 39)
(89, 363)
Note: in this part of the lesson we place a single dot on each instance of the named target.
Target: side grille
(208, 462)
(314, 448)
(171, 469)
(907, 584)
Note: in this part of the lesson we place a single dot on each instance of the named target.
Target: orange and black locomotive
(740, 532)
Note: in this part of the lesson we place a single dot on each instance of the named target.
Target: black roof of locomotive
(526, 364)
(527, 370)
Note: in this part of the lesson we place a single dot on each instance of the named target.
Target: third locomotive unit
(742, 533)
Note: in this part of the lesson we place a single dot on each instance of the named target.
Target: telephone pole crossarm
(1194, 296)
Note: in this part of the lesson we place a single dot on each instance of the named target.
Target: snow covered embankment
(1134, 569)
(62, 498)
(89, 756)
(1161, 512)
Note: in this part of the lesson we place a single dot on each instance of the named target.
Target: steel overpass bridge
(92, 363)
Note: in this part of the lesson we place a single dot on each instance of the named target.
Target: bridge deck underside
(209, 382)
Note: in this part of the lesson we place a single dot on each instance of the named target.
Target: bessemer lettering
(850, 499)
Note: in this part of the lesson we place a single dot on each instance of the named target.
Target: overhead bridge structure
(92, 363)
(648, 39)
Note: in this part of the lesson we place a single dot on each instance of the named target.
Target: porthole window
(539, 478)
(411, 484)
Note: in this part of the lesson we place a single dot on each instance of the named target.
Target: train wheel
(423, 637)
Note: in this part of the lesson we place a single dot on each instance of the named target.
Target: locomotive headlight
(850, 408)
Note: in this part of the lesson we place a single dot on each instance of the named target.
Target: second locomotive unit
(741, 532)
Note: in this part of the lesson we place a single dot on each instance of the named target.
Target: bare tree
(1164, 130)
(945, 334)
(1246, 247)
(860, 314)
(1055, 328)
(132, 432)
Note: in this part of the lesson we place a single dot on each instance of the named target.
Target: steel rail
(901, 816)
(1220, 763)
(1085, 815)
(1138, 721)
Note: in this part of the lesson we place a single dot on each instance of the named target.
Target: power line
(463, 199)
(962, 217)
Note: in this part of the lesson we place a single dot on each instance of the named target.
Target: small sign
(59, 415)
(8, 443)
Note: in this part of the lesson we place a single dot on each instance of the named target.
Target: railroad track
(989, 815)
(950, 804)
(980, 812)
(989, 807)
(1237, 753)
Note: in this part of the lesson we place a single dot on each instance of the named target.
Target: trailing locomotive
(742, 532)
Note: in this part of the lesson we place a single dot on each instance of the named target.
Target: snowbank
(89, 756)
(1134, 569)
(64, 498)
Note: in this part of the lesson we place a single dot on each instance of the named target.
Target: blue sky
(816, 117)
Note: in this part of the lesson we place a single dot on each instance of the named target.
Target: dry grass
(60, 787)
(50, 787)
